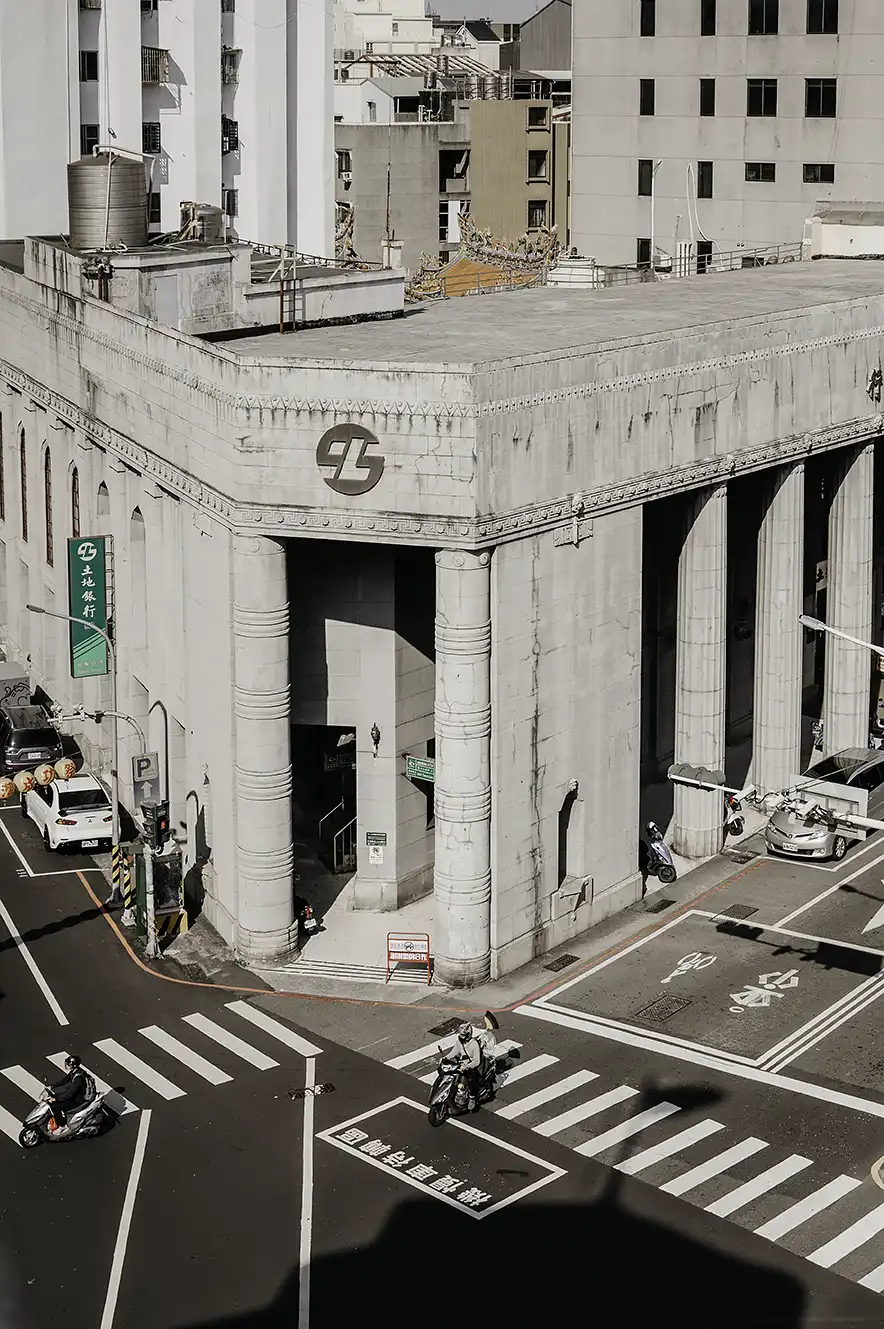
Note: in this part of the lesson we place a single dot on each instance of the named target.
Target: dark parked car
(27, 738)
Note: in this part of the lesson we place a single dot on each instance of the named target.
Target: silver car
(791, 831)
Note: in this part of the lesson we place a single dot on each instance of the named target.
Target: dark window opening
(704, 179)
(819, 173)
(707, 96)
(88, 139)
(820, 98)
(229, 134)
(150, 136)
(761, 96)
(763, 172)
(153, 208)
(645, 177)
(643, 252)
(47, 505)
(764, 18)
(707, 18)
(88, 66)
(23, 474)
(536, 213)
(648, 18)
(646, 96)
(75, 503)
(704, 255)
(822, 17)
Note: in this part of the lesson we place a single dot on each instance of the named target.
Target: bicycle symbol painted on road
(696, 960)
(759, 996)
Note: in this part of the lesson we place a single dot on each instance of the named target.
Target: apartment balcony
(230, 59)
(154, 65)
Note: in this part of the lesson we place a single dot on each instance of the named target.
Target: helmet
(72, 1063)
(465, 1032)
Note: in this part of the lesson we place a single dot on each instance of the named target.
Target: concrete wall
(545, 38)
(499, 181)
(610, 136)
(566, 644)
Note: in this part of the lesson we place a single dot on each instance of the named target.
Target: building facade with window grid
(755, 110)
(233, 101)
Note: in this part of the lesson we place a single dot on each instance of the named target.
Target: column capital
(462, 560)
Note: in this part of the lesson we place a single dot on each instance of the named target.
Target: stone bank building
(551, 540)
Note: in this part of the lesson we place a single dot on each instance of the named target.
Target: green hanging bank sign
(87, 594)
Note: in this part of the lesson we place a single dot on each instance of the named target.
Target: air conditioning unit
(346, 176)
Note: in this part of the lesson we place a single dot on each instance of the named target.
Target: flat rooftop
(544, 322)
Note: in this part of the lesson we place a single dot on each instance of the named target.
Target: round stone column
(701, 652)
(776, 734)
(266, 925)
(847, 688)
(462, 888)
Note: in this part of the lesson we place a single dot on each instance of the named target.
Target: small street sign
(376, 837)
(145, 766)
(420, 768)
(148, 791)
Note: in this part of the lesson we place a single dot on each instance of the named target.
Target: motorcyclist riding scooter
(74, 1089)
(476, 1047)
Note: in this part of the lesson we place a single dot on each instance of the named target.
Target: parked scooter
(660, 862)
(876, 733)
(90, 1118)
(734, 821)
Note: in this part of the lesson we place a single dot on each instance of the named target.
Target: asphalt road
(218, 1199)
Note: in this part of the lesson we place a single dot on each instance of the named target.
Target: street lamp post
(654, 169)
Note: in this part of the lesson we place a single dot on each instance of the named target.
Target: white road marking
(807, 1208)
(280, 1032)
(529, 1067)
(585, 1110)
(830, 890)
(24, 1080)
(713, 1167)
(657, 1152)
(230, 1041)
(557, 1090)
(29, 961)
(186, 1055)
(760, 1185)
(877, 919)
(306, 1245)
(15, 849)
(115, 1100)
(829, 1013)
(140, 1069)
(504, 1046)
(817, 1034)
(801, 1087)
(627, 1129)
(116, 1273)
(850, 1239)
(9, 1125)
(875, 1280)
(419, 1054)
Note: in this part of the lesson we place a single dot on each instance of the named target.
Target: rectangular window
(643, 252)
(394, 29)
(761, 172)
(648, 18)
(153, 208)
(150, 136)
(229, 134)
(704, 179)
(645, 177)
(372, 108)
(538, 164)
(345, 162)
(820, 97)
(764, 18)
(761, 96)
(88, 66)
(231, 202)
(707, 18)
(88, 139)
(228, 6)
(646, 96)
(707, 96)
(536, 213)
(538, 117)
(822, 17)
(819, 173)
(704, 255)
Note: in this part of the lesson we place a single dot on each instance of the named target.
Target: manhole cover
(738, 911)
(448, 1027)
(663, 1008)
(659, 906)
(739, 855)
(561, 962)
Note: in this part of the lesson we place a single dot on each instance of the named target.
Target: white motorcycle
(91, 1117)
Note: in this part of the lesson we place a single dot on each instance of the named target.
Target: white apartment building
(229, 100)
(385, 26)
(721, 123)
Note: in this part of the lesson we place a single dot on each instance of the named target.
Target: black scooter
(660, 862)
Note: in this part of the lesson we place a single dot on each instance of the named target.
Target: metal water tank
(102, 218)
(203, 222)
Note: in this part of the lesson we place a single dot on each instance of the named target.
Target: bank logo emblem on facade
(344, 458)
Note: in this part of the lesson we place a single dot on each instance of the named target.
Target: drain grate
(561, 962)
(739, 855)
(737, 911)
(447, 1027)
(659, 906)
(663, 1008)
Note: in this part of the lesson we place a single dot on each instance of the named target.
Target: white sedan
(70, 812)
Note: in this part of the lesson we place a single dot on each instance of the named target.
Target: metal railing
(272, 263)
(154, 65)
(344, 848)
(691, 264)
(322, 820)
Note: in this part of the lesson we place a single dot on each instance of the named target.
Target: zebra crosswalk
(836, 1222)
(187, 1052)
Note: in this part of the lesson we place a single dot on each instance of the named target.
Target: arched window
(23, 468)
(47, 504)
(138, 584)
(2, 478)
(103, 504)
(75, 503)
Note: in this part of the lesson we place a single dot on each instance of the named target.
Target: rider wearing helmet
(71, 1092)
(471, 1052)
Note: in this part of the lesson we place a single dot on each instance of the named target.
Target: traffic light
(696, 776)
(156, 823)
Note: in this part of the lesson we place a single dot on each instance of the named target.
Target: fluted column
(849, 603)
(265, 851)
(776, 736)
(462, 886)
(701, 654)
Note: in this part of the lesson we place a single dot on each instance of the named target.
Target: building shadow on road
(47, 930)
